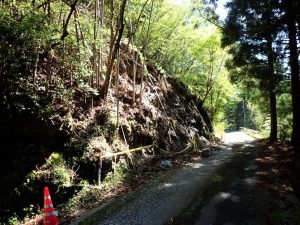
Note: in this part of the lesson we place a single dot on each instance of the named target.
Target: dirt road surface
(219, 190)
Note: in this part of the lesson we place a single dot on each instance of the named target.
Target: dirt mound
(155, 110)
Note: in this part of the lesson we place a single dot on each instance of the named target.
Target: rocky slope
(164, 115)
(65, 153)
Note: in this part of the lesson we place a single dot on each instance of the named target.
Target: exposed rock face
(166, 115)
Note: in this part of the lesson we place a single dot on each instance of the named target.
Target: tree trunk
(35, 65)
(145, 50)
(65, 27)
(94, 76)
(145, 47)
(100, 57)
(273, 112)
(115, 48)
(48, 71)
(117, 91)
(49, 8)
(272, 94)
(294, 64)
(79, 27)
(99, 171)
(135, 59)
(111, 46)
(133, 31)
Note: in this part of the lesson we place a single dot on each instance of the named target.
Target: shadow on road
(229, 196)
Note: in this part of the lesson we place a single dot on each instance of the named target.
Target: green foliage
(285, 117)
(257, 111)
(118, 175)
(22, 33)
(13, 220)
(88, 194)
(55, 172)
(190, 50)
(254, 31)
(54, 78)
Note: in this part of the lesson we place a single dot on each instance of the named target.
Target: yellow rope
(110, 154)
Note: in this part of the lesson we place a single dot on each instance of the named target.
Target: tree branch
(65, 28)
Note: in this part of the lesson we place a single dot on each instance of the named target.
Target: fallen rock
(202, 142)
(165, 164)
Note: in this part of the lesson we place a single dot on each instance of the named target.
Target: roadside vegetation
(84, 80)
(81, 80)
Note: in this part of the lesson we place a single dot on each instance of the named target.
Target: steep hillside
(63, 152)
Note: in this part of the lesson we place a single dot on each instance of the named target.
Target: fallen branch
(110, 154)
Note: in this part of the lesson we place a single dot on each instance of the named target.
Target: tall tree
(115, 43)
(291, 21)
(250, 24)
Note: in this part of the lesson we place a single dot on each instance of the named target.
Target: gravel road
(176, 197)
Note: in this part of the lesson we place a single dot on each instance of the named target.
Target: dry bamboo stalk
(127, 151)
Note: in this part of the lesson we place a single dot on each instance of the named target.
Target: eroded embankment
(63, 150)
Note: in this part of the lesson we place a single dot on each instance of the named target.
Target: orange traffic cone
(49, 213)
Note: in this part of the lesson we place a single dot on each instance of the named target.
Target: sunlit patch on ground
(168, 185)
(237, 137)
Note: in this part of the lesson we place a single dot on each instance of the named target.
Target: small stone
(193, 121)
(165, 164)
(202, 142)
